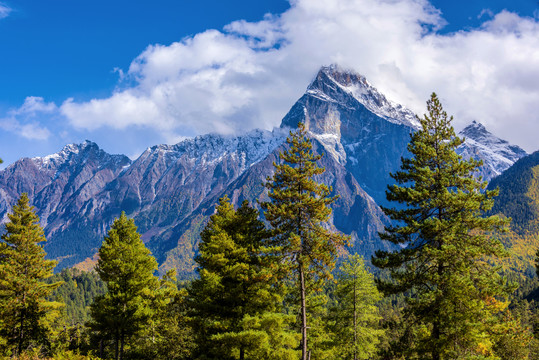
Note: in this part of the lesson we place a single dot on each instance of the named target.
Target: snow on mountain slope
(63, 188)
(170, 190)
(208, 149)
(367, 95)
(83, 168)
(368, 134)
(497, 154)
(357, 126)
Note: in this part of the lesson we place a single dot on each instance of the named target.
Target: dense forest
(278, 283)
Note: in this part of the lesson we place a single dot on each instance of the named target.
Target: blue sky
(131, 74)
(63, 48)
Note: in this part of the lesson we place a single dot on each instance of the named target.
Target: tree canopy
(24, 311)
(354, 317)
(236, 301)
(127, 268)
(444, 240)
(298, 212)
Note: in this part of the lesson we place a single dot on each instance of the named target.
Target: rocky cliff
(170, 190)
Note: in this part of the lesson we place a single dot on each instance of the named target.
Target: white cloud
(249, 74)
(33, 105)
(485, 12)
(25, 120)
(4, 10)
(32, 130)
(119, 111)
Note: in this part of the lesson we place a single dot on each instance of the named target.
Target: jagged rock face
(168, 184)
(79, 191)
(63, 181)
(63, 188)
(171, 190)
(368, 134)
(193, 168)
(358, 126)
(497, 154)
(354, 212)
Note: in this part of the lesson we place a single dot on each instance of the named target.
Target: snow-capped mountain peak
(356, 124)
(211, 148)
(361, 90)
(64, 155)
(170, 190)
(71, 151)
(497, 154)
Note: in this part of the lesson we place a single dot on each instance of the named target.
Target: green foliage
(519, 196)
(64, 355)
(512, 333)
(319, 337)
(445, 240)
(78, 291)
(299, 211)
(235, 301)
(167, 334)
(85, 246)
(25, 314)
(127, 267)
(355, 318)
(181, 257)
(519, 200)
(263, 336)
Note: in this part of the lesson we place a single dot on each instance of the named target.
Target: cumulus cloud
(25, 121)
(250, 73)
(4, 10)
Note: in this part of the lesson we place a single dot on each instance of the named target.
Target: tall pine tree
(23, 293)
(127, 268)
(354, 316)
(444, 241)
(236, 296)
(299, 212)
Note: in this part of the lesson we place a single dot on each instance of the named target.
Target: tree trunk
(242, 353)
(116, 345)
(101, 348)
(122, 339)
(435, 335)
(303, 313)
(436, 353)
(21, 329)
(355, 321)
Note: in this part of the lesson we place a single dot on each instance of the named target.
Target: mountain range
(170, 190)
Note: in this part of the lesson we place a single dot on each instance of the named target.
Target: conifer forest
(275, 280)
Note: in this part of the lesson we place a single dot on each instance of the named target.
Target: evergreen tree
(235, 292)
(512, 335)
(167, 334)
(24, 310)
(444, 241)
(78, 291)
(319, 337)
(127, 267)
(355, 317)
(299, 212)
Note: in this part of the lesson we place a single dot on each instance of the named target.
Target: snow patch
(360, 89)
(210, 149)
(497, 154)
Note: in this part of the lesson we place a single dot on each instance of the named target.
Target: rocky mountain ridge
(170, 190)
(497, 154)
